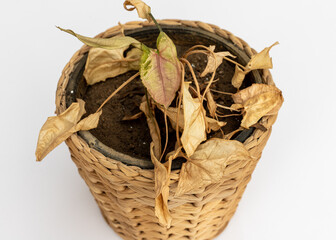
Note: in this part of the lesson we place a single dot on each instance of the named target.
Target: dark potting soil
(132, 137)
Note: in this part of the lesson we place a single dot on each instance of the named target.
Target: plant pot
(123, 186)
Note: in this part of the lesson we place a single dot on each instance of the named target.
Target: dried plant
(163, 76)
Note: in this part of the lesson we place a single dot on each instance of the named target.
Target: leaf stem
(117, 90)
(166, 126)
(148, 105)
(156, 23)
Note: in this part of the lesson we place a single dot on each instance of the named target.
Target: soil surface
(132, 137)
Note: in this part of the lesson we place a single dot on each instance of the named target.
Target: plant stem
(117, 90)
(148, 105)
(166, 126)
(156, 23)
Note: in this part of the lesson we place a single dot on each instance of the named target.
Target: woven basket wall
(125, 194)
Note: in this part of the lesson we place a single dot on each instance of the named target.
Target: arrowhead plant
(162, 74)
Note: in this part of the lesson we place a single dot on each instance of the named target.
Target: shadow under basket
(123, 186)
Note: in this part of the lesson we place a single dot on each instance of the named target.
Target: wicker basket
(125, 194)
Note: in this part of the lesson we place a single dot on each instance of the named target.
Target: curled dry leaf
(213, 64)
(207, 165)
(160, 70)
(194, 123)
(258, 100)
(57, 129)
(214, 125)
(116, 42)
(212, 106)
(142, 8)
(153, 127)
(162, 180)
(102, 63)
(261, 60)
(238, 77)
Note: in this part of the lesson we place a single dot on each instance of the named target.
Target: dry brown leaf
(258, 100)
(211, 65)
(261, 60)
(194, 123)
(238, 77)
(143, 9)
(57, 129)
(214, 125)
(135, 116)
(102, 63)
(207, 165)
(153, 128)
(89, 122)
(162, 181)
(212, 106)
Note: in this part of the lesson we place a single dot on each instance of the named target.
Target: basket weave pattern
(125, 194)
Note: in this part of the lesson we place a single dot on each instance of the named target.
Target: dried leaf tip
(142, 8)
(116, 42)
(57, 129)
(261, 60)
(162, 181)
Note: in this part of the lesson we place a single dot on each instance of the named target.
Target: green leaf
(160, 70)
(116, 42)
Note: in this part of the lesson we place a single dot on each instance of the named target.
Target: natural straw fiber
(125, 194)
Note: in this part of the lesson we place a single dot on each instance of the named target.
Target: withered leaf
(194, 123)
(162, 181)
(89, 122)
(207, 165)
(213, 64)
(57, 129)
(238, 77)
(214, 125)
(261, 60)
(160, 70)
(212, 106)
(102, 63)
(143, 9)
(115, 42)
(153, 128)
(258, 100)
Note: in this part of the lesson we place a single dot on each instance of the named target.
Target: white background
(292, 192)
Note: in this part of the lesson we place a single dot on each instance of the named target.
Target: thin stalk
(178, 108)
(117, 90)
(148, 105)
(193, 75)
(225, 107)
(166, 126)
(156, 23)
(227, 93)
